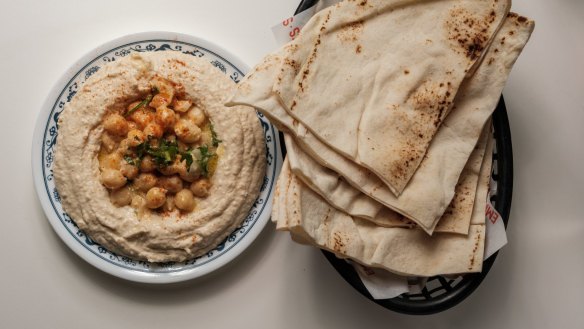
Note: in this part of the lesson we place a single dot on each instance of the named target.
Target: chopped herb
(143, 103)
(134, 161)
(188, 157)
(164, 154)
(142, 148)
(216, 140)
(203, 161)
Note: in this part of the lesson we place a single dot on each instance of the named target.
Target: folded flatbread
(403, 251)
(341, 195)
(457, 217)
(484, 182)
(374, 79)
(432, 187)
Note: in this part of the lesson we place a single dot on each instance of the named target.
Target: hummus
(143, 228)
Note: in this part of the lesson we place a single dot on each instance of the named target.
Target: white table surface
(537, 281)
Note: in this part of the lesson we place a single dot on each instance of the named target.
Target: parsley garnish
(134, 161)
(164, 154)
(142, 148)
(188, 157)
(203, 161)
(216, 140)
(143, 103)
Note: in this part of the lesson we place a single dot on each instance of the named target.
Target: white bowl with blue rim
(45, 140)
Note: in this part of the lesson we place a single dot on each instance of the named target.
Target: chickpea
(164, 87)
(160, 100)
(144, 182)
(123, 146)
(115, 124)
(181, 106)
(138, 202)
(110, 161)
(154, 130)
(171, 169)
(129, 171)
(197, 116)
(182, 146)
(165, 117)
(201, 188)
(135, 137)
(184, 200)
(121, 197)
(147, 164)
(108, 143)
(155, 197)
(187, 131)
(132, 125)
(171, 183)
(190, 175)
(142, 117)
(132, 106)
(112, 179)
(206, 138)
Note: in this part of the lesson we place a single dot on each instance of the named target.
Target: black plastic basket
(441, 293)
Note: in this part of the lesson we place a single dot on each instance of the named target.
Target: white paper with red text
(289, 28)
(495, 236)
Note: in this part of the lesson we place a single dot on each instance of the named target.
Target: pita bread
(432, 187)
(397, 68)
(457, 217)
(403, 251)
(337, 192)
(279, 202)
(341, 195)
(482, 193)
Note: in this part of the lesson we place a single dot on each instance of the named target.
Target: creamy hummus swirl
(155, 236)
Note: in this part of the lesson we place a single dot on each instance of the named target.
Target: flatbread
(278, 202)
(482, 193)
(337, 192)
(457, 217)
(341, 195)
(403, 251)
(397, 68)
(433, 186)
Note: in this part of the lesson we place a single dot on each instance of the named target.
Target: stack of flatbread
(385, 107)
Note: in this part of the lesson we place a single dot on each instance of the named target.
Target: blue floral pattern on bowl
(50, 139)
